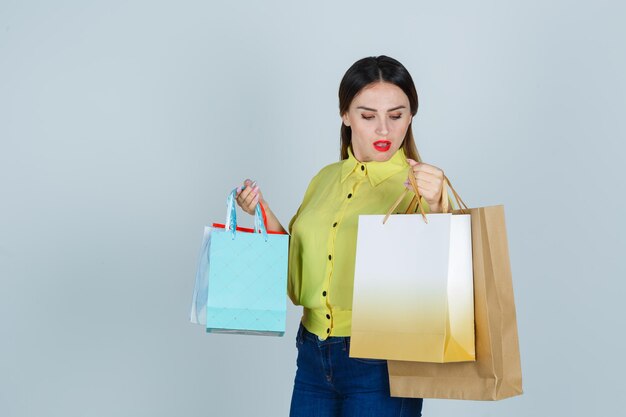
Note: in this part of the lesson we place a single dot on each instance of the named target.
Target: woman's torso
(323, 236)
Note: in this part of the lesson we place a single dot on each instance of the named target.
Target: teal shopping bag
(246, 277)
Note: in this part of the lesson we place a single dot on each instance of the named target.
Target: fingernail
(253, 184)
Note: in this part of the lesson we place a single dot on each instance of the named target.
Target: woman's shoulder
(328, 173)
(330, 169)
(325, 176)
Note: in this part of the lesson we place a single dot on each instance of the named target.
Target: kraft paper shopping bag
(496, 373)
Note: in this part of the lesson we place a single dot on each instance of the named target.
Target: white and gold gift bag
(413, 289)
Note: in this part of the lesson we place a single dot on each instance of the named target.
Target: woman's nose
(382, 128)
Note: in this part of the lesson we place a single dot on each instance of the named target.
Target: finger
(244, 194)
(247, 201)
(412, 162)
(428, 180)
(251, 186)
(428, 169)
(427, 188)
(247, 183)
(253, 204)
(251, 195)
(429, 175)
(425, 177)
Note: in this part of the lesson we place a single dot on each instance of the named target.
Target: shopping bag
(413, 297)
(496, 373)
(244, 272)
(201, 287)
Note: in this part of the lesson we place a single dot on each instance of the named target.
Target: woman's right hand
(248, 196)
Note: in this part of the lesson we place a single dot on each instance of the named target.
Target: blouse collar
(377, 172)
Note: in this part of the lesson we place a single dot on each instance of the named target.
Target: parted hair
(365, 72)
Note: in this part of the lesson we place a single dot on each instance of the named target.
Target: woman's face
(379, 117)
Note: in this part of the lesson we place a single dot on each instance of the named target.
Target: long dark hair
(365, 72)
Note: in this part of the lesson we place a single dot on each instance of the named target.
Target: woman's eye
(395, 116)
(367, 116)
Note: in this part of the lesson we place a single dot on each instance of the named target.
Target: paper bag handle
(260, 218)
(415, 201)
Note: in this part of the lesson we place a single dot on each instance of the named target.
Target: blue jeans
(329, 383)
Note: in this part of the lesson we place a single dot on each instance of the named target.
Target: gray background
(123, 125)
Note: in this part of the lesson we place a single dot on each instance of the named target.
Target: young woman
(377, 102)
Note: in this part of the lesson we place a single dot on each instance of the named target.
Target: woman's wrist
(435, 208)
(273, 224)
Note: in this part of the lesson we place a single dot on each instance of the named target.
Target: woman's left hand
(429, 183)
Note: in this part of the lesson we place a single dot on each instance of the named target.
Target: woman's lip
(382, 145)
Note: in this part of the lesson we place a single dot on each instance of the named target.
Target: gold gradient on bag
(409, 309)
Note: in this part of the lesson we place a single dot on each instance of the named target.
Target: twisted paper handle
(415, 201)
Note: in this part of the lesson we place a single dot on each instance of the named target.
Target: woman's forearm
(273, 224)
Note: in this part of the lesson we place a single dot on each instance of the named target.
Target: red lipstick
(382, 145)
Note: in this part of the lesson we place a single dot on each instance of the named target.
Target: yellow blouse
(323, 236)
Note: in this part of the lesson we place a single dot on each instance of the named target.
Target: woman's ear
(345, 119)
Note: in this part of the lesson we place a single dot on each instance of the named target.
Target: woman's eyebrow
(392, 109)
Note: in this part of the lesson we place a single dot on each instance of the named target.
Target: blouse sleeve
(307, 196)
